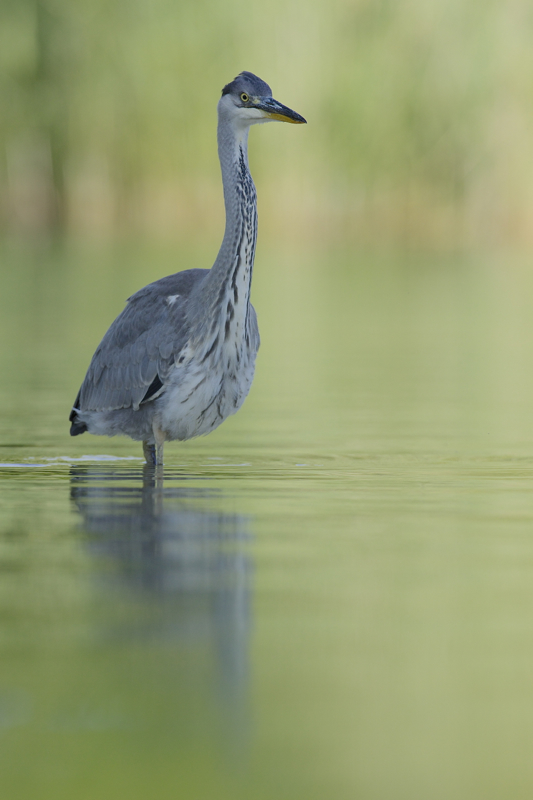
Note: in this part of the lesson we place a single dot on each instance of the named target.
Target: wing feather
(140, 345)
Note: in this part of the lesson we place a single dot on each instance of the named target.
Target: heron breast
(204, 393)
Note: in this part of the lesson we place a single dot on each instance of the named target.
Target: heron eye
(244, 97)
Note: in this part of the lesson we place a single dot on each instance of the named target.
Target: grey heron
(180, 357)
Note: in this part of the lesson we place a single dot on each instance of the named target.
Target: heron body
(180, 358)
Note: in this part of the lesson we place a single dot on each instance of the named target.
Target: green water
(329, 597)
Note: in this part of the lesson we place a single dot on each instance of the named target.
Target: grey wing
(136, 355)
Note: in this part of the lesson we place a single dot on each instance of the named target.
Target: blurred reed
(419, 118)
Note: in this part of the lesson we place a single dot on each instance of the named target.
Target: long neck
(226, 290)
(239, 197)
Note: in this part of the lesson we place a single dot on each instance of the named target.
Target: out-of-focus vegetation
(419, 117)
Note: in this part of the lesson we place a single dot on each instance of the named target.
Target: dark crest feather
(249, 83)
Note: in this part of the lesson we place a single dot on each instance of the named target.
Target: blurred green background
(332, 595)
(419, 117)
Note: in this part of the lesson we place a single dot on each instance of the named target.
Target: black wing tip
(75, 408)
(154, 387)
(77, 427)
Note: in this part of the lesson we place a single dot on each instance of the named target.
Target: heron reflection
(171, 548)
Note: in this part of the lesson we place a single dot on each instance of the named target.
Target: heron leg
(159, 437)
(149, 454)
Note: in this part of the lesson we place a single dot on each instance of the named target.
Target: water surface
(330, 596)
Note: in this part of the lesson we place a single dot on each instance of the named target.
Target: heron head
(248, 100)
